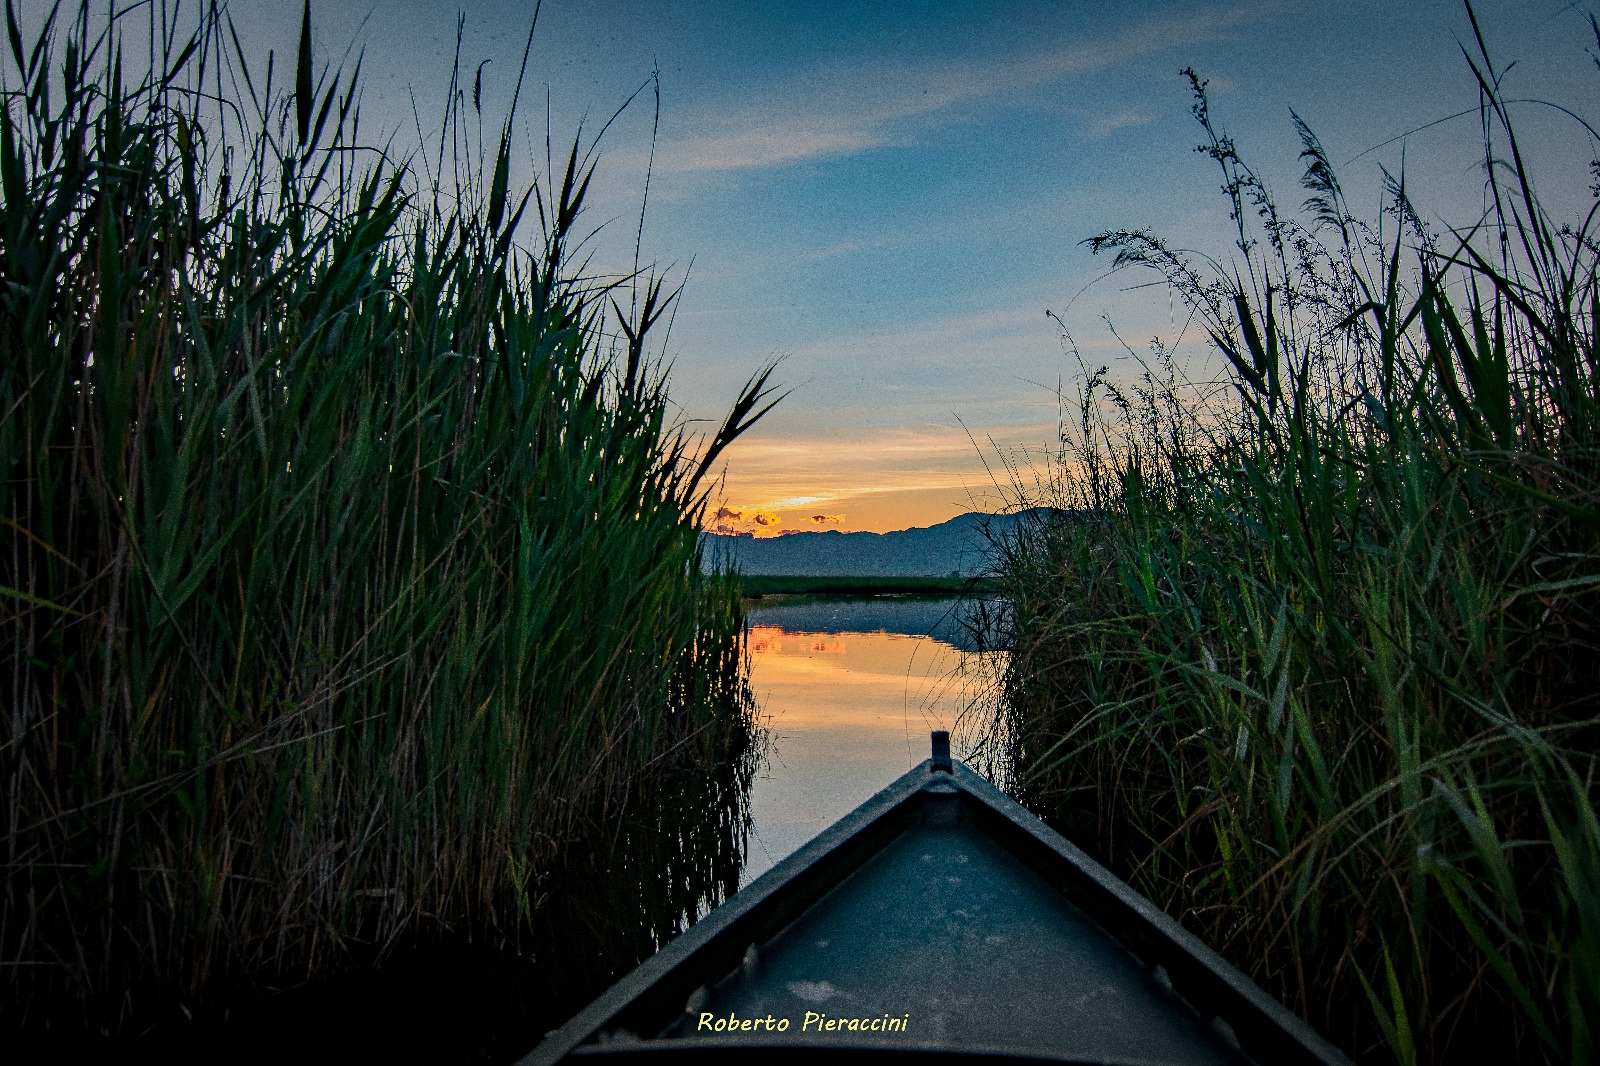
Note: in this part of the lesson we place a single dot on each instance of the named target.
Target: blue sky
(889, 196)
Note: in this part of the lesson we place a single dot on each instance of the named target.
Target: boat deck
(951, 937)
(938, 922)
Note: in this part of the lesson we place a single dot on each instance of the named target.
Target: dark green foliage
(1316, 663)
(343, 577)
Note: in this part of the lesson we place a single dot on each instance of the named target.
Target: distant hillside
(959, 547)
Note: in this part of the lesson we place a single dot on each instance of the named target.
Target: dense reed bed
(348, 564)
(1312, 655)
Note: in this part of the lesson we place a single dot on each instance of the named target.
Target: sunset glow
(899, 478)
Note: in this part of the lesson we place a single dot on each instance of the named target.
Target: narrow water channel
(849, 690)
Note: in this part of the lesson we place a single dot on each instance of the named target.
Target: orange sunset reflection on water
(848, 710)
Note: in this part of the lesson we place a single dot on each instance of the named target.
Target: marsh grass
(1313, 658)
(347, 558)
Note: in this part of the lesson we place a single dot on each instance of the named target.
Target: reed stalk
(348, 565)
(1313, 658)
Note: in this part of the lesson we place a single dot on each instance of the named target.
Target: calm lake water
(850, 690)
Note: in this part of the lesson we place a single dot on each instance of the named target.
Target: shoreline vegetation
(759, 586)
(348, 557)
(1316, 666)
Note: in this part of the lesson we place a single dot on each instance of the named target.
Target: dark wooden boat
(938, 921)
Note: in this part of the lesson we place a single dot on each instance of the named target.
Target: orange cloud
(826, 519)
(743, 521)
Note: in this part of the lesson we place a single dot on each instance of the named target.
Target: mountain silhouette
(960, 547)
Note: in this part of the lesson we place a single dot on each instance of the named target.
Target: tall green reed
(1313, 657)
(348, 564)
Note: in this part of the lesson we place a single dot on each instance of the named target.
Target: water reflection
(850, 690)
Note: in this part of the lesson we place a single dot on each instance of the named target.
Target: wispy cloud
(853, 107)
(887, 460)
(764, 146)
(1100, 124)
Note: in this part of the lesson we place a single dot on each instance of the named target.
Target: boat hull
(939, 919)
